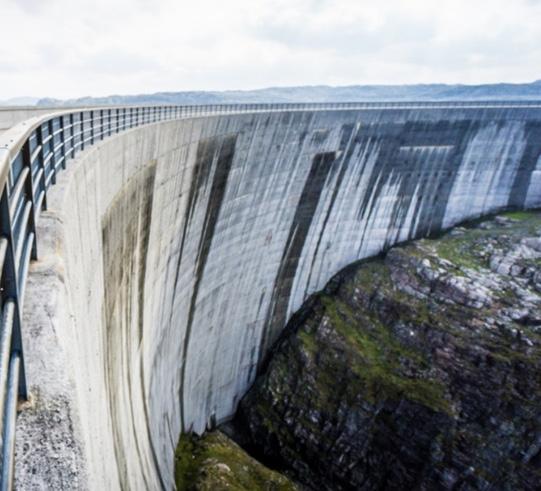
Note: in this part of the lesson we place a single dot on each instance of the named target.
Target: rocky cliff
(214, 462)
(419, 370)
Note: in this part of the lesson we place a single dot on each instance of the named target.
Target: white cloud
(67, 48)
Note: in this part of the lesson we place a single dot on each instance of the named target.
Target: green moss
(375, 276)
(501, 350)
(375, 355)
(213, 462)
(371, 274)
(309, 342)
(464, 250)
(184, 462)
(460, 251)
(527, 221)
(520, 215)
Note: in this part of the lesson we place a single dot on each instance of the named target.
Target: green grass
(213, 462)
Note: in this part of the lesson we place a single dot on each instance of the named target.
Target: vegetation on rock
(213, 462)
(420, 370)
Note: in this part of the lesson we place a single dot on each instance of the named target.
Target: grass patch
(213, 462)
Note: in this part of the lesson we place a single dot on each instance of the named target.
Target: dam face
(177, 252)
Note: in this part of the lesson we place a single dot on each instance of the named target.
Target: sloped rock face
(421, 370)
(214, 462)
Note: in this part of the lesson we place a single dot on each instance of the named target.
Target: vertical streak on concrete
(406, 151)
(214, 155)
(124, 285)
(302, 220)
(345, 152)
(532, 152)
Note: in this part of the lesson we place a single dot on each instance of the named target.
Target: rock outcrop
(214, 462)
(419, 370)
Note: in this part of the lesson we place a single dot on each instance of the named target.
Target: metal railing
(31, 155)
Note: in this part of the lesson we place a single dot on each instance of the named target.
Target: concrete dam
(171, 255)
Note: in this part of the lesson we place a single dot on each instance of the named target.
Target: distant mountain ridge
(20, 101)
(320, 93)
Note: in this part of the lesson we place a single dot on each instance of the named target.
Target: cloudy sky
(71, 48)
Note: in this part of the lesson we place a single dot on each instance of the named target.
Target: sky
(74, 48)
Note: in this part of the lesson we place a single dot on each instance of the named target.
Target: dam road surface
(143, 289)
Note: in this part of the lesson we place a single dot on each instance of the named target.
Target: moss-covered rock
(421, 370)
(213, 463)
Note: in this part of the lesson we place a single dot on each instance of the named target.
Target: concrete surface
(172, 255)
(10, 116)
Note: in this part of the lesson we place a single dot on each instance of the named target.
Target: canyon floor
(418, 369)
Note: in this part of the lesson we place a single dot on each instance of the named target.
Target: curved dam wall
(176, 252)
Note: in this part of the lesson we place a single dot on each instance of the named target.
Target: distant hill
(320, 93)
(20, 101)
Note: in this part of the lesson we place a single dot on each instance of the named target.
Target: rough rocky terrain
(417, 370)
(214, 462)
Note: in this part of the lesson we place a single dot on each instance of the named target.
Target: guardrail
(31, 155)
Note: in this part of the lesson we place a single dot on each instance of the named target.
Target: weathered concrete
(10, 116)
(175, 253)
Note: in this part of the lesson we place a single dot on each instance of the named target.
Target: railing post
(72, 137)
(102, 124)
(10, 286)
(10, 413)
(63, 141)
(41, 165)
(91, 127)
(82, 126)
(29, 193)
(52, 160)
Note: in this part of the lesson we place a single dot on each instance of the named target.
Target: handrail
(31, 154)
